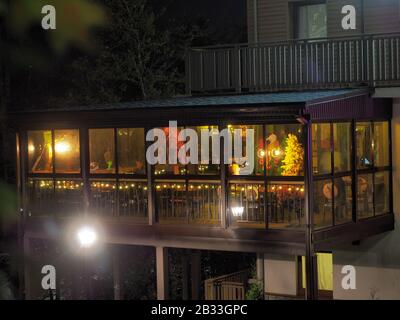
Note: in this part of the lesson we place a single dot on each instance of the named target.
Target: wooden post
(260, 269)
(118, 284)
(27, 271)
(196, 274)
(185, 277)
(162, 273)
(311, 259)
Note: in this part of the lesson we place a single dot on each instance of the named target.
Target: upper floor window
(310, 21)
(66, 154)
(102, 150)
(131, 153)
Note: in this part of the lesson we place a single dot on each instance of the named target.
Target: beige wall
(275, 20)
(280, 275)
(377, 259)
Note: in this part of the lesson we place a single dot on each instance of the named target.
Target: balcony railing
(367, 60)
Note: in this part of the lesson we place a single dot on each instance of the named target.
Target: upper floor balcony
(363, 60)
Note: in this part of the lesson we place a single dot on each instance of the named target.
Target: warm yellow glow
(62, 147)
(276, 152)
(31, 148)
(261, 153)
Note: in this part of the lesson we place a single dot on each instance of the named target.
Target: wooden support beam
(162, 273)
(118, 283)
(196, 274)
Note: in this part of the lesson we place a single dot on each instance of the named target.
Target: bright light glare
(86, 237)
(237, 211)
(62, 147)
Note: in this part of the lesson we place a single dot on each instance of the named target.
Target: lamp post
(87, 237)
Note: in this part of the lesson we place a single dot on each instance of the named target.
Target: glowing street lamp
(86, 237)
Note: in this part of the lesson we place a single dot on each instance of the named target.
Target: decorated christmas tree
(294, 155)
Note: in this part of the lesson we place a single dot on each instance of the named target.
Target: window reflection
(381, 190)
(40, 197)
(168, 168)
(365, 202)
(285, 203)
(245, 167)
(321, 143)
(343, 200)
(204, 200)
(133, 199)
(102, 148)
(284, 150)
(324, 191)
(40, 153)
(103, 197)
(171, 202)
(342, 147)
(204, 169)
(67, 155)
(381, 144)
(131, 151)
(246, 204)
(364, 145)
(69, 197)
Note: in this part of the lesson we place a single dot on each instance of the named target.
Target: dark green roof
(227, 100)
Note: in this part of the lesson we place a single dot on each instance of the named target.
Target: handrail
(322, 63)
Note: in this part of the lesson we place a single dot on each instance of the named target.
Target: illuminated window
(381, 192)
(103, 197)
(284, 151)
(365, 201)
(324, 191)
(132, 197)
(321, 134)
(131, 151)
(285, 203)
(102, 148)
(170, 168)
(67, 153)
(342, 147)
(40, 153)
(246, 204)
(204, 201)
(209, 168)
(248, 164)
(381, 144)
(324, 270)
(343, 200)
(364, 145)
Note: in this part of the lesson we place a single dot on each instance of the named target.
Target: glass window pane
(131, 151)
(69, 197)
(364, 145)
(284, 150)
(133, 199)
(342, 147)
(245, 167)
(381, 191)
(171, 202)
(40, 153)
(285, 203)
(40, 197)
(204, 169)
(204, 202)
(311, 21)
(103, 197)
(246, 204)
(168, 168)
(365, 203)
(343, 200)
(102, 148)
(67, 156)
(323, 194)
(321, 144)
(381, 144)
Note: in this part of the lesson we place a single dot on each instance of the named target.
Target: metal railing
(364, 60)
(227, 287)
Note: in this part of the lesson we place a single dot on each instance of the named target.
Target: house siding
(275, 18)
